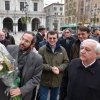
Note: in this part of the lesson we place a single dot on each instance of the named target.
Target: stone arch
(21, 26)
(8, 23)
(35, 24)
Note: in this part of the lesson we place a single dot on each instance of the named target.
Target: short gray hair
(97, 49)
(97, 46)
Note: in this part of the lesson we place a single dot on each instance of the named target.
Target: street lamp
(25, 9)
(14, 24)
(55, 22)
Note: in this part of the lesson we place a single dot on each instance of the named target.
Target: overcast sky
(47, 2)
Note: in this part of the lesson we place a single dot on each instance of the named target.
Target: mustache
(22, 44)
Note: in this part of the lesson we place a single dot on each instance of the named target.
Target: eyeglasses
(25, 41)
(52, 38)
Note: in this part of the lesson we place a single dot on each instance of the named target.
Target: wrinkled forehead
(2, 33)
(27, 36)
(90, 44)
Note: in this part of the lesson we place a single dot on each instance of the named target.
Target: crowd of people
(65, 68)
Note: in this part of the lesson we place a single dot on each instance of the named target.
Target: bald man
(81, 80)
(3, 40)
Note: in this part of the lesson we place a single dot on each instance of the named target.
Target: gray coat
(31, 72)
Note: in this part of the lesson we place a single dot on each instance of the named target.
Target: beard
(22, 47)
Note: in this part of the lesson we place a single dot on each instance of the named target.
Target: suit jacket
(31, 73)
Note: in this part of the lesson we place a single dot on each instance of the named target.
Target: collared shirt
(40, 33)
(88, 64)
(83, 83)
(22, 58)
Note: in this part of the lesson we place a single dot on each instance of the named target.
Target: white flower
(1, 57)
(1, 67)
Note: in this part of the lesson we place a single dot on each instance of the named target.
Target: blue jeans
(43, 92)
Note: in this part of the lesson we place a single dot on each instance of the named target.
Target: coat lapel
(27, 65)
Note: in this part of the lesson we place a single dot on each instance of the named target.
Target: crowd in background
(50, 57)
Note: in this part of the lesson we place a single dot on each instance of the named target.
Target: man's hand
(55, 70)
(15, 92)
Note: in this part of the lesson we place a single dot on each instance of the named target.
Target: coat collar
(91, 69)
(57, 48)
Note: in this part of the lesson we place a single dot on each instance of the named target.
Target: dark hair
(83, 28)
(34, 36)
(52, 33)
(69, 29)
(41, 29)
(94, 30)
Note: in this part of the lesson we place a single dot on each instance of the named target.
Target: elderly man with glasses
(81, 80)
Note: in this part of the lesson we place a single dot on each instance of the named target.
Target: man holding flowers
(29, 65)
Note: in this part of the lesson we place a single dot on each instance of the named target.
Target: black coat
(80, 83)
(10, 38)
(75, 49)
(67, 45)
(3, 96)
(5, 42)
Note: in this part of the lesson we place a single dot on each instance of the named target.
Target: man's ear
(32, 45)
(98, 55)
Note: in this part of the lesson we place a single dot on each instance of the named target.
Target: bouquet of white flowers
(8, 71)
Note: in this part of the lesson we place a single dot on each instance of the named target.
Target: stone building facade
(54, 16)
(82, 11)
(22, 15)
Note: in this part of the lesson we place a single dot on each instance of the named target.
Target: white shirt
(88, 64)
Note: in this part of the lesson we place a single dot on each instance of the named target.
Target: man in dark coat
(81, 79)
(29, 64)
(40, 36)
(95, 35)
(9, 37)
(3, 39)
(68, 41)
(83, 33)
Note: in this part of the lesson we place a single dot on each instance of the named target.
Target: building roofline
(54, 4)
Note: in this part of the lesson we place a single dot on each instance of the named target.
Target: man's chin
(83, 58)
(25, 49)
(21, 48)
(81, 40)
